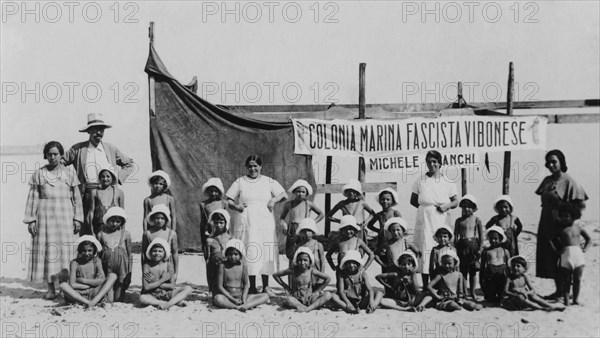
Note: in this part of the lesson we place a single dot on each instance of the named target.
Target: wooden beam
(151, 83)
(509, 112)
(463, 171)
(367, 187)
(328, 168)
(361, 115)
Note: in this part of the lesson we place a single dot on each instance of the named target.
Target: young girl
(443, 236)
(348, 241)
(508, 222)
(87, 284)
(387, 199)
(158, 281)
(106, 196)
(396, 245)
(304, 293)
(116, 255)
(233, 282)
(518, 292)
(158, 220)
(214, 191)
(468, 240)
(159, 183)
(307, 229)
(447, 287)
(402, 284)
(494, 259)
(353, 205)
(353, 289)
(299, 208)
(219, 220)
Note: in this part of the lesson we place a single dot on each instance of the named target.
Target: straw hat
(503, 198)
(93, 120)
(301, 183)
(392, 192)
(396, 220)
(159, 208)
(468, 197)
(498, 230)
(352, 255)
(236, 244)
(353, 185)
(114, 211)
(412, 255)
(307, 224)
(214, 182)
(162, 174)
(90, 238)
(445, 227)
(162, 243)
(222, 212)
(304, 250)
(349, 220)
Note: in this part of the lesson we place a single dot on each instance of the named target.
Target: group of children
(102, 270)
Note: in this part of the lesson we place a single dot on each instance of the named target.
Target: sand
(25, 313)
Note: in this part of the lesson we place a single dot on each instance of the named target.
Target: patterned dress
(54, 202)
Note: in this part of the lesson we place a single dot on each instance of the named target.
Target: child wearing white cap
(510, 223)
(396, 245)
(348, 241)
(298, 208)
(160, 183)
(443, 236)
(157, 224)
(403, 294)
(219, 222)
(106, 196)
(388, 198)
(468, 240)
(354, 291)
(214, 191)
(87, 283)
(354, 205)
(494, 265)
(307, 229)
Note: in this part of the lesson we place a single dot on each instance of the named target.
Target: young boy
(305, 294)
(233, 282)
(348, 241)
(354, 291)
(494, 260)
(572, 258)
(402, 284)
(468, 240)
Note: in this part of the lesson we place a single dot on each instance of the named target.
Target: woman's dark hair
(561, 158)
(54, 144)
(84, 244)
(254, 158)
(435, 154)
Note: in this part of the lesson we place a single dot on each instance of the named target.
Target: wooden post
(151, 88)
(361, 115)
(328, 166)
(463, 171)
(509, 112)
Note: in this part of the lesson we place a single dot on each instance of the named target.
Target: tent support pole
(509, 112)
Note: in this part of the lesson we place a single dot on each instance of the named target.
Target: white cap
(114, 211)
(392, 192)
(236, 244)
(445, 227)
(349, 220)
(352, 255)
(301, 183)
(214, 182)
(308, 224)
(304, 250)
(162, 243)
(396, 220)
(412, 255)
(498, 230)
(92, 239)
(353, 185)
(468, 197)
(503, 198)
(159, 208)
(162, 174)
(221, 212)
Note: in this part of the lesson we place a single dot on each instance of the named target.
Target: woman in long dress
(555, 189)
(433, 195)
(54, 214)
(254, 196)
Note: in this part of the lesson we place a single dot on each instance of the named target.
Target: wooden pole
(509, 112)
(151, 84)
(463, 171)
(328, 166)
(361, 115)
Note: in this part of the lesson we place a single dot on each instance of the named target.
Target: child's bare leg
(540, 301)
(452, 306)
(179, 295)
(72, 294)
(51, 294)
(110, 295)
(577, 274)
(322, 300)
(293, 303)
(223, 302)
(472, 275)
(338, 301)
(567, 276)
(389, 303)
(376, 300)
(150, 300)
(426, 300)
(106, 287)
(255, 300)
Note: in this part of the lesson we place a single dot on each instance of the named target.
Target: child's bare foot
(242, 308)
(182, 304)
(370, 310)
(302, 308)
(50, 295)
(163, 306)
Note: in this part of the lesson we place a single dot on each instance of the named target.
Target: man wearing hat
(89, 157)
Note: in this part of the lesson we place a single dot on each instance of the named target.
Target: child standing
(468, 240)
(116, 254)
(219, 221)
(494, 260)
(305, 294)
(299, 208)
(233, 282)
(106, 196)
(353, 289)
(443, 236)
(510, 223)
(158, 219)
(214, 191)
(159, 182)
(447, 287)
(388, 198)
(348, 241)
(396, 245)
(158, 281)
(353, 205)
(402, 284)
(87, 284)
(307, 229)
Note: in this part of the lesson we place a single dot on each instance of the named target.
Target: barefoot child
(354, 291)
(304, 293)
(87, 284)
(348, 241)
(159, 183)
(396, 245)
(572, 258)
(403, 285)
(494, 259)
(307, 229)
(213, 189)
(233, 282)
(158, 220)
(116, 254)
(518, 292)
(447, 287)
(106, 196)
(388, 198)
(158, 281)
(219, 220)
(299, 208)
(468, 240)
(510, 223)
(443, 236)
(353, 205)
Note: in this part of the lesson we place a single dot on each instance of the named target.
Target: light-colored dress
(255, 226)
(54, 201)
(431, 191)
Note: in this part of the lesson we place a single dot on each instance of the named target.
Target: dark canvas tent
(193, 140)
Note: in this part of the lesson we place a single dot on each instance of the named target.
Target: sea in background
(579, 142)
